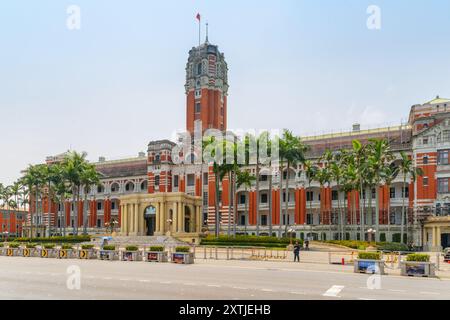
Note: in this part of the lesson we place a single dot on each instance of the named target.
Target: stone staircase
(141, 241)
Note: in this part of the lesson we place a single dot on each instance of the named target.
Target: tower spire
(207, 31)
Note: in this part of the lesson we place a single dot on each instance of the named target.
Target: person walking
(307, 244)
(296, 252)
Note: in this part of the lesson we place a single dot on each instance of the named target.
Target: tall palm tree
(74, 164)
(292, 151)
(388, 175)
(245, 178)
(407, 168)
(310, 172)
(379, 160)
(217, 152)
(89, 177)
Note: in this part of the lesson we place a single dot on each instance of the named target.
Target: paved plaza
(37, 278)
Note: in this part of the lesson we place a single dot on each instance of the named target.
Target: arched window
(100, 189)
(157, 158)
(144, 186)
(199, 68)
(115, 187)
(129, 187)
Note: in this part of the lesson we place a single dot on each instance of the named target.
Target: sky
(109, 88)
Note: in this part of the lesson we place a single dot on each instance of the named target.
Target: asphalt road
(37, 278)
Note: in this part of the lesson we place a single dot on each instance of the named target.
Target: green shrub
(2, 245)
(248, 241)
(131, 248)
(182, 249)
(382, 237)
(109, 247)
(393, 246)
(87, 246)
(66, 247)
(420, 257)
(14, 245)
(57, 239)
(30, 245)
(156, 248)
(369, 255)
(49, 246)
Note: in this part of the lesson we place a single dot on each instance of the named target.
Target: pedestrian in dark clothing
(306, 244)
(296, 252)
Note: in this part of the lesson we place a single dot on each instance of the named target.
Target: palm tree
(310, 172)
(388, 175)
(16, 190)
(292, 151)
(33, 180)
(245, 178)
(74, 164)
(379, 160)
(217, 151)
(89, 177)
(407, 168)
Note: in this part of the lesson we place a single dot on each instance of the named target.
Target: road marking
(166, 282)
(267, 290)
(333, 291)
(396, 290)
(427, 292)
(239, 288)
(214, 285)
(295, 292)
(123, 279)
(365, 299)
(144, 280)
(189, 284)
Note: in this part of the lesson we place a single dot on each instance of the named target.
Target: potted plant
(29, 250)
(47, 251)
(417, 265)
(13, 249)
(183, 255)
(108, 252)
(66, 251)
(369, 262)
(131, 253)
(156, 254)
(86, 252)
(2, 249)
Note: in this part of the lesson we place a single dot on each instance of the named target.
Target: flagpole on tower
(199, 18)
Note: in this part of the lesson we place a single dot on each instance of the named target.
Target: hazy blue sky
(117, 83)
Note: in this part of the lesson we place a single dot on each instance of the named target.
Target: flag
(198, 17)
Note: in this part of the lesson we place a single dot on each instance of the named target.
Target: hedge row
(420, 257)
(362, 245)
(369, 255)
(59, 239)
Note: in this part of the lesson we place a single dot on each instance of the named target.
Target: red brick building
(313, 211)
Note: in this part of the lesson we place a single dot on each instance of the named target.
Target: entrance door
(150, 220)
(445, 240)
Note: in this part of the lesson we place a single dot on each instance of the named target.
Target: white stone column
(180, 217)
(175, 218)
(136, 218)
(198, 220)
(162, 218)
(158, 215)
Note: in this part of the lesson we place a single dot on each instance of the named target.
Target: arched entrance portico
(168, 214)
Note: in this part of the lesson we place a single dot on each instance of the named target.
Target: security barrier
(239, 253)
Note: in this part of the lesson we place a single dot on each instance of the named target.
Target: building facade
(153, 194)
